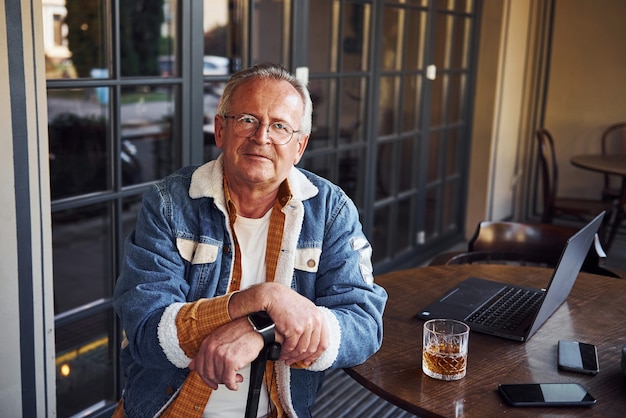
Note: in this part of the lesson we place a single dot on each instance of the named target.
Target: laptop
(510, 311)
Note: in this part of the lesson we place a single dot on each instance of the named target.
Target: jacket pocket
(196, 252)
(308, 259)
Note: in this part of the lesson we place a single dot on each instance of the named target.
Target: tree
(140, 32)
(86, 36)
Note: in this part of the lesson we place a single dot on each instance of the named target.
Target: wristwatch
(263, 324)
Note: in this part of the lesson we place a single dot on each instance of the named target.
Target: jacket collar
(207, 181)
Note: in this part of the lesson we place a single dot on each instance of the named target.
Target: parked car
(215, 65)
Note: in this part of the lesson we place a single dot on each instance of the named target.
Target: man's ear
(218, 127)
(303, 140)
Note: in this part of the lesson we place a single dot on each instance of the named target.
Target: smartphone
(579, 357)
(546, 394)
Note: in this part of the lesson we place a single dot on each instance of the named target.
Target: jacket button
(226, 249)
(197, 407)
(169, 390)
(310, 263)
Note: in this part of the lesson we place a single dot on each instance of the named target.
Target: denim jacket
(181, 250)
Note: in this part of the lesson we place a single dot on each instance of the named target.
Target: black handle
(257, 370)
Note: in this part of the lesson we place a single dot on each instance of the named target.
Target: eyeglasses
(280, 133)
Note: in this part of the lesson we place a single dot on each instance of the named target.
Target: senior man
(243, 240)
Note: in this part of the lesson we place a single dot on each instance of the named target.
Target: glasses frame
(239, 115)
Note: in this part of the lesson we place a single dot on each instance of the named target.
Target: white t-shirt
(252, 238)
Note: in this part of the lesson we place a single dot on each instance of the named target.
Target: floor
(342, 397)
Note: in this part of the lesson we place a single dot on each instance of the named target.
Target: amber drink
(444, 352)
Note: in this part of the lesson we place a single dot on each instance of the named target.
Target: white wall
(587, 85)
(586, 92)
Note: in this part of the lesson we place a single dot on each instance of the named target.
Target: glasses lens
(280, 132)
(246, 125)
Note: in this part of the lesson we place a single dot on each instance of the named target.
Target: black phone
(579, 357)
(546, 394)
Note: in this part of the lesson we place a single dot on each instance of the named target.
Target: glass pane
(223, 35)
(323, 35)
(450, 206)
(351, 169)
(411, 93)
(442, 40)
(408, 178)
(404, 226)
(323, 93)
(437, 100)
(384, 171)
(211, 100)
(380, 243)
(391, 53)
(270, 31)
(455, 5)
(356, 35)
(453, 157)
(147, 119)
(79, 135)
(223, 27)
(322, 165)
(167, 50)
(85, 364)
(352, 113)
(216, 70)
(147, 37)
(456, 99)
(434, 163)
(433, 207)
(76, 39)
(460, 45)
(416, 37)
(388, 105)
(81, 243)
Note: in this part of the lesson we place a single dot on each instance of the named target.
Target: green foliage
(215, 41)
(140, 35)
(86, 35)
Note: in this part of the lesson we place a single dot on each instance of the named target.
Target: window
(132, 96)
(114, 108)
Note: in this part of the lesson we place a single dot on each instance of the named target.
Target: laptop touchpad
(464, 299)
(469, 295)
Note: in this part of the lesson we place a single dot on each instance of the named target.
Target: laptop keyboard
(509, 310)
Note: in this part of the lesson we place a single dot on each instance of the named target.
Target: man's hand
(300, 326)
(225, 351)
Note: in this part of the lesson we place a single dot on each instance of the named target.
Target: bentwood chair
(613, 141)
(533, 244)
(561, 206)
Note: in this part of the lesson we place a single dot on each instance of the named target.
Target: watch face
(261, 320)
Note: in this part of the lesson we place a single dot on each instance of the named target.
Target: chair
(613, 142)
(553, 206)
(523, 244)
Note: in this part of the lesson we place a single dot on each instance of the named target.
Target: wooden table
(614, 164)
(595, 312)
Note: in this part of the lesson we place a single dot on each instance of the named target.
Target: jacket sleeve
(151, 293)
(344, 285)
